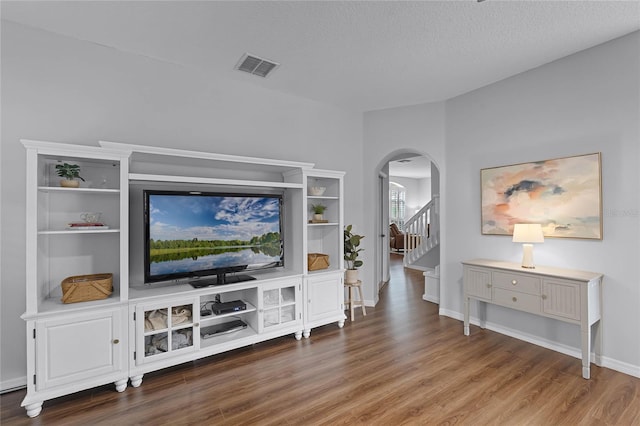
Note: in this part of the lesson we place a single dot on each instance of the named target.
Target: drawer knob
(488, 285)
(116, 341)
(544, 297)
(514, 282)
(515, 299)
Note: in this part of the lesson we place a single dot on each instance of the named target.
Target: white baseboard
(13, 384)
(613, 364)
(623, 367)
(431, 299)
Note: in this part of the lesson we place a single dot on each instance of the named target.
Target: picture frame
(564, 195)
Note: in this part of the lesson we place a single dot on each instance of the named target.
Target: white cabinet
(280, 306)
(323, 288)
(562, 294)
(324, 295)
(81, 345)
(141, 328)
(74, 352)
(165, 329)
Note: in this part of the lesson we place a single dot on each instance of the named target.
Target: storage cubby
(166, 329)
(280, 304)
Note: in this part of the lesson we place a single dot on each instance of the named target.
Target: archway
(429, 254)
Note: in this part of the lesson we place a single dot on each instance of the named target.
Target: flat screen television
(210, 237)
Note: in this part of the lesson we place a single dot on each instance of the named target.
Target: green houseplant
(351, 251)
(318, 211)
(69, 173)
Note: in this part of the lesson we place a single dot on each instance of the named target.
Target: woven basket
(82, 288)
(316, 261)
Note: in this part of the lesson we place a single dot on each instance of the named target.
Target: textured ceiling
(358, 55)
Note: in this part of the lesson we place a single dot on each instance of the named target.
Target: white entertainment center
(140, 327)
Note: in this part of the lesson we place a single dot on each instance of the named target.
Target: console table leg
(586, 351)
(466, 316)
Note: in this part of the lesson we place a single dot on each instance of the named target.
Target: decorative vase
(351, 276)
(69, 183)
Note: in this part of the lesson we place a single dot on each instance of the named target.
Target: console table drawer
(516, 282)
(516, 300)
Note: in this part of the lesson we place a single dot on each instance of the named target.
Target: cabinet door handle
(544, 297)
(196, 324)
(515, 299)
(514, 282)
(488, 285)
(116, 341)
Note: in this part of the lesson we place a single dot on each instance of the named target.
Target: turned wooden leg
(33, 409)
(466, 316)
(136, 381)
(121, 385)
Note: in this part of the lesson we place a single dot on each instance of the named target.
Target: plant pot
(351, 276)
(318, 217)
(69, 183)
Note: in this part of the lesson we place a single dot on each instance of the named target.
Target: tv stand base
(220, 280)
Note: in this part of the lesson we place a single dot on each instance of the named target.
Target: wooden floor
(401, 364)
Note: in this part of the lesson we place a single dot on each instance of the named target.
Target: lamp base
(527, 256)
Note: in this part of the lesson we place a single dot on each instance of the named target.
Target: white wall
(585, 103)
(418, 193)
(389, 133)
(59, 89)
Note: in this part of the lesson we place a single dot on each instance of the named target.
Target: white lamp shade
(527, 233)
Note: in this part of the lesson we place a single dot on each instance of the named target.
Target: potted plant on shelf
(351, 250)
(69, 173)
(318, 211)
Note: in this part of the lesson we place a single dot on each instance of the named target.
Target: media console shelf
(562, 294)
(142, 328)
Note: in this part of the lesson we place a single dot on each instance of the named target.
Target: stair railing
(422, 231)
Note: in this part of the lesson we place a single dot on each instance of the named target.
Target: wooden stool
(355, 303)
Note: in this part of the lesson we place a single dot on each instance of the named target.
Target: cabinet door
(280, 305)
(477, 283)
(74, 348)
(325, 296)
(164, 329)
(561, 298)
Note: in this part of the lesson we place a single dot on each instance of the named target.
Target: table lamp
(527, 233)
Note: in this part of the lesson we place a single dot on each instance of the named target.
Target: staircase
(422, 232)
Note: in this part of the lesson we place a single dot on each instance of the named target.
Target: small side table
(355, 303)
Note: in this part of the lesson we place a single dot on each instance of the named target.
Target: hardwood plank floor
(401, 364)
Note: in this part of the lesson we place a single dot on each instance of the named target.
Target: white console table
(562, 294)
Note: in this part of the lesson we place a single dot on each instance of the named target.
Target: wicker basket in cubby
(82, 288)
(317, 261)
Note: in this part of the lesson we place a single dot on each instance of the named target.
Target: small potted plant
(351, 250)
(318, 211)
(69, 173)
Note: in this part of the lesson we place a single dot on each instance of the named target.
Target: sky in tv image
(181, 217)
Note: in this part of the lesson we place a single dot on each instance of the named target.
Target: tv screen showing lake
(208, 233)
(195, 260)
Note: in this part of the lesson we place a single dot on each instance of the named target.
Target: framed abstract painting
(564, 195)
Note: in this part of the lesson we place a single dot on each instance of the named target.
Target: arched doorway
(408, 192)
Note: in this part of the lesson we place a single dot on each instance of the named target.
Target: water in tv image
(195, 233)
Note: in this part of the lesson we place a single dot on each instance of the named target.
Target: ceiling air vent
(256, 66)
